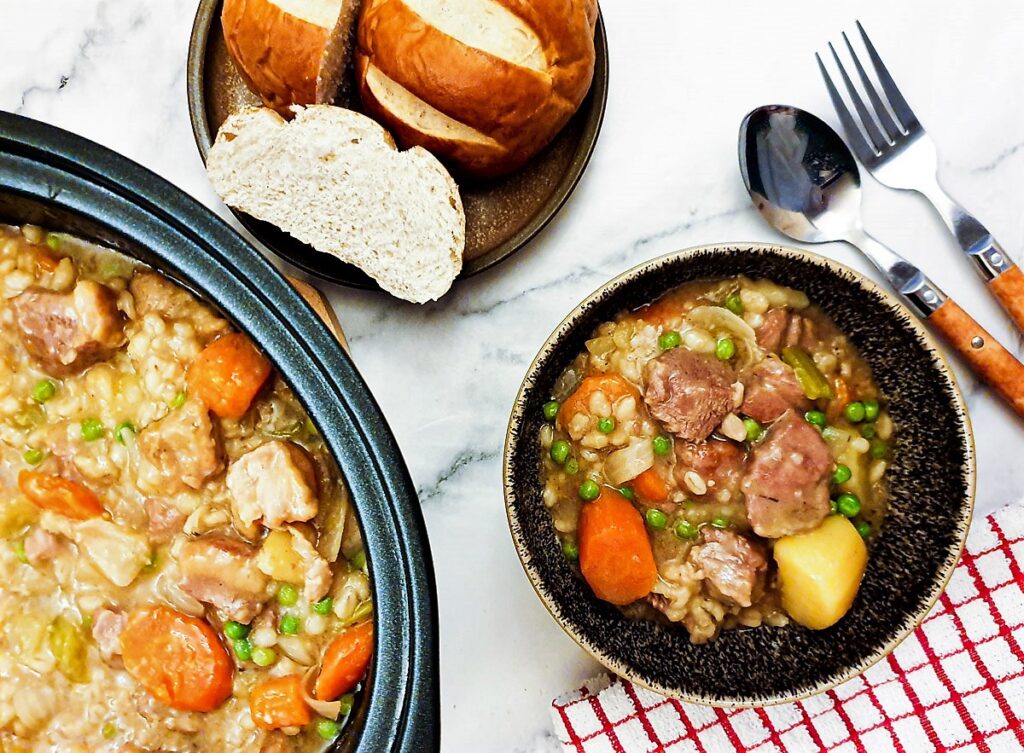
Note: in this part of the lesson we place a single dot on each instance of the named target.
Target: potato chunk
(820, 572)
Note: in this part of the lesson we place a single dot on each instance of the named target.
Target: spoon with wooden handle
(804, 180)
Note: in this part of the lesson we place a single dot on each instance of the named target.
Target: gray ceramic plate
(502, 215)
(911, 558)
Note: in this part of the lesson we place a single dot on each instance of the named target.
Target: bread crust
(520, 108)
(276, 53)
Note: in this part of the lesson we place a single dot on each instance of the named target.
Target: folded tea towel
(956, 684)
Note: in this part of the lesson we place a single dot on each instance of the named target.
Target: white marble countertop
(663, 177)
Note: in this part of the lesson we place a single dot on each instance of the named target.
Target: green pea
(570, 549)
(753, 428)
(867, 431)
(551, 410)
(655, 518)
(669, 340)
(560, 451)
(606, 425)
(871, 410)
(841, 474)
(815, 418)
(358, 560)
(848, 504)
(725, 349)
(287, 595)
(662, 445)
(179, 400)
(854, 412)
(626, 492)
(53, 241)
(263, 657)
(734, 303)
(324, 606)
(34, 456)
(345, 704)
(92, 429)
(328, 729)
(121, 429)
(878, 449)
(289, 624)
(236, 630)
(589, 490)
(44, 390)
(686, 530)
(242, 648)
(19, 551)
(108, 730)
(720, 522)
(863, 528)
(572, 466)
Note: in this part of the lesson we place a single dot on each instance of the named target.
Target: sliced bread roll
(334, 179)
(291, 52)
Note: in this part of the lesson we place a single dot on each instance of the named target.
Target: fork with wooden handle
(898, 151)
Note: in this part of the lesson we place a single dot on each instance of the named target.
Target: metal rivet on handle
(977, 341)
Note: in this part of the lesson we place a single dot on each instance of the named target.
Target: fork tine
(865, 151)
(866, 120)
(882, 114)
(899, 105)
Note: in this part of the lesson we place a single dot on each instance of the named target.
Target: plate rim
(195, 77)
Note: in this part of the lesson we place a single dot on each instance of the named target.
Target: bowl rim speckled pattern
(514, 438)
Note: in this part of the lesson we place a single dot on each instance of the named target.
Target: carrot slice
(612, 385)
(651, 486)
(277, 702)
(660, 311)
(177, 658)
(59, 495)
(345, 662)
(615, 553)
(228, 374)
(841, 390)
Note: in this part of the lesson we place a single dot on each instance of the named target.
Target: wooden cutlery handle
(989, 360)
(1008, 287)
(318, 302)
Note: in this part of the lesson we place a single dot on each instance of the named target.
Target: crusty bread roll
(483, 84)
(333, 179)
(291, 52)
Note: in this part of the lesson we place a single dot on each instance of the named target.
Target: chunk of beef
(68, 332)
(41, 546)
(714, 460)
(786, 479)
(274, 483)
(155, 294)
(770, 388)
(183, 446)
(801, 333)
(107, 625)
(689, 393)
(733, 566)
(773, 327)
(222, 572)
(164, 520)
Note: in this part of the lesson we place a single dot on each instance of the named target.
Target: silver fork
(893, 145)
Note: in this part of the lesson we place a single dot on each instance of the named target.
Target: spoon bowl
(799, 173)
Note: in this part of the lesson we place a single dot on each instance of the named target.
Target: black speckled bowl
(932, 483)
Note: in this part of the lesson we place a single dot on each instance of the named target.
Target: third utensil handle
(1008, 287)
(986, 356)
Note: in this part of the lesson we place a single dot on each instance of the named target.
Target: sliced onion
(629, 462)
(720, 321)
(326, 709)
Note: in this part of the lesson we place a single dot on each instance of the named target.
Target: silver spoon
(804, 181)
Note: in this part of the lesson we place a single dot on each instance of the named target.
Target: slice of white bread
(334, 179)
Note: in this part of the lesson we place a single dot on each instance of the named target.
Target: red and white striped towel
(956, 684)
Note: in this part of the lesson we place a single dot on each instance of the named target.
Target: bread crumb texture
(333, 179)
